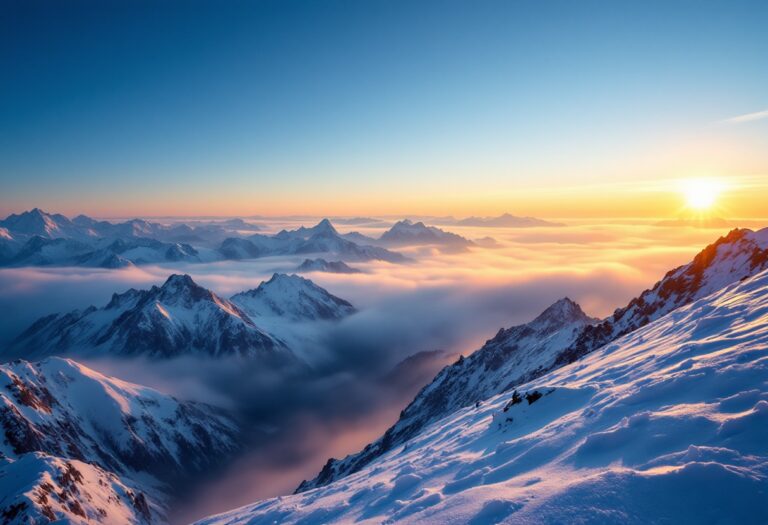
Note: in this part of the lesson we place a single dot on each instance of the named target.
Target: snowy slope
(523, 353)
(62, 408)
(292, 297)
(512, 357)
(178, 318)
(84, 446)
(38, 488)
(668, 424)
(36, 222)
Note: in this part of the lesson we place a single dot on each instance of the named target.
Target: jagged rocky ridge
(182, 318)
(515, 355)
(86, 443)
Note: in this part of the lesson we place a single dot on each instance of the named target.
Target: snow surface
(38, 488)
(292, 297)
(63, 408)
(668, 424)
(82, 446)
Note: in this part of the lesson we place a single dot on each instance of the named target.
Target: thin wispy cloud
(749, 117)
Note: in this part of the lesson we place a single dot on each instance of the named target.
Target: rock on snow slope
(668, 424)
(559, 336)
(38, 488)
(77, 443)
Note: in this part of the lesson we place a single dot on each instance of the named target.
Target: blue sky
(288, 105)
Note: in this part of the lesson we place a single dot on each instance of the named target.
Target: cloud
(749, 117)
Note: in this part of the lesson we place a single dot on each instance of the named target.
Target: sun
(701, 194)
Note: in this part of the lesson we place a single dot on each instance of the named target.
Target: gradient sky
(381, 106)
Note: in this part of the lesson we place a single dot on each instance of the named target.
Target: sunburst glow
(701, 194)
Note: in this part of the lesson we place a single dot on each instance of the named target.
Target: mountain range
(183, 318)
(506, 220)
(37, 238)
(319, 239)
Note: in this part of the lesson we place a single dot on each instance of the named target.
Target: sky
(553, 109)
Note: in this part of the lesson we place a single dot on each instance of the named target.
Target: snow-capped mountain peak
(292, 297)
(324, 227)
(561, 313)
(38, 222)
(179, 317)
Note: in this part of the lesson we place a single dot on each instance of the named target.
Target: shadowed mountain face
(178, 318)
(321, 265)
(561, 335)
(417, 233)
(119, 440)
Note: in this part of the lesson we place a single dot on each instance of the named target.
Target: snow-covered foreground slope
(668, 424)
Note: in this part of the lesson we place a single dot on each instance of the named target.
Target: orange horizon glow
(652, 200)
